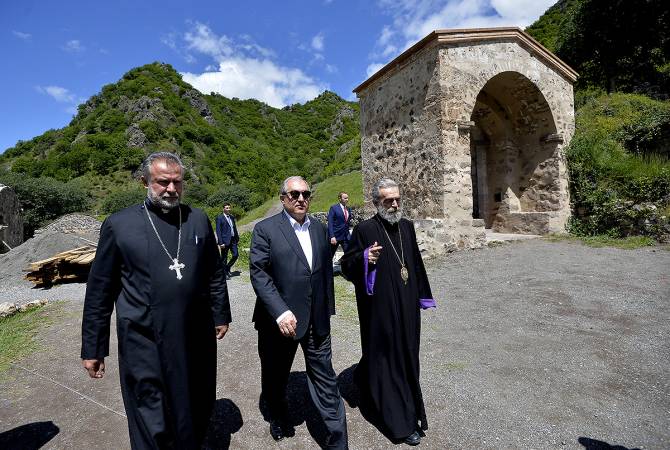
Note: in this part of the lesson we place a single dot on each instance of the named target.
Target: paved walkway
(534, 345)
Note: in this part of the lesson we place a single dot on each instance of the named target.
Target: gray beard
(163, 203)
(390, 217)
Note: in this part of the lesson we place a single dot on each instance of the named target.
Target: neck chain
(176, 265)
(404, 274)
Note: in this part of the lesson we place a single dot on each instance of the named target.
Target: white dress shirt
(302, 233)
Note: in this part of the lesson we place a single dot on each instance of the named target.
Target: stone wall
(418, 119)
(11, 221)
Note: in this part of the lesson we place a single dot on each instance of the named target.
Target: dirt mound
(68, 232)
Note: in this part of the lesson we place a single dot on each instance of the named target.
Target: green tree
(618, 45)
(44, 199)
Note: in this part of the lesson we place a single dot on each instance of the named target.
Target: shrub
(236, 194)
(615, 190)
(123, 198)
(44, 199)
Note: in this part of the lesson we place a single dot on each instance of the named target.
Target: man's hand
(94, 367)
(288, 325)
(373, 252)
(333, 241)
(222, 246)
(221, 331)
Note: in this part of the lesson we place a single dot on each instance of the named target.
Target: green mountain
(614, 45)
(547, 28)
(230, 146)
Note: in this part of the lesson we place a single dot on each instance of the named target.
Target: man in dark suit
(292, 275)
(339, 217)
(227, 238)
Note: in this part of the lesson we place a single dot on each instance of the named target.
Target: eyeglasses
(295, 195)
(389, 201)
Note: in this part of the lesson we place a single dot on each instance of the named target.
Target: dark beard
(390, 217)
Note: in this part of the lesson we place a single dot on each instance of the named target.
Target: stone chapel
(473, 124)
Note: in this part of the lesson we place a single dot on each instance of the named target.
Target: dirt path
(534, 345)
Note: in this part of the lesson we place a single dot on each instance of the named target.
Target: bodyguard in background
(227, 238)
(292, 275)
(339, 218)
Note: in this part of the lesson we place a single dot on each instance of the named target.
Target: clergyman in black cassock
(165, 325)
(387, 375)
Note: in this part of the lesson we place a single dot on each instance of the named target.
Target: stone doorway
(514, 157)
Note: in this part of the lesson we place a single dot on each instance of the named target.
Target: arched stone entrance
(513, 147)
(473, 124)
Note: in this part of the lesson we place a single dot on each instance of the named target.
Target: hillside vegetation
(618, 159)
(235, 150)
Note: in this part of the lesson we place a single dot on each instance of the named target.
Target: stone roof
(477, 35)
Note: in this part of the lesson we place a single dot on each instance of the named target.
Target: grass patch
(18, 332)
(243, 247)
(627, 243)
(258, 212)
(345, 300)
(325, 193)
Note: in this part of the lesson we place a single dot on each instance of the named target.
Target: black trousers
(224, 255)
(277, 353)
(333, 248)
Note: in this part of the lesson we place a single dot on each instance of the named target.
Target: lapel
(289, 234)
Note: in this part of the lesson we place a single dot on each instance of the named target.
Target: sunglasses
(295, 195)
(389, 201)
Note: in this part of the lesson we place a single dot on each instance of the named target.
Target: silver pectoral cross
(177, 266)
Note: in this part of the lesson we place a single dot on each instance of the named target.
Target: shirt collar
(295, 223)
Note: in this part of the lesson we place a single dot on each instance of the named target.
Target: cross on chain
(177, 266)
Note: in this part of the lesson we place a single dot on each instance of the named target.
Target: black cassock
(165, 326)
(389, 313)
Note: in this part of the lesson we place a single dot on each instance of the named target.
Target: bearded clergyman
(384, 263)
(158, 263)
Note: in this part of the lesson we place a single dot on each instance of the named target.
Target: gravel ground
(534, 345)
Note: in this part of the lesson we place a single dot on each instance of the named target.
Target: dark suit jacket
(337, 226)
(224, 234)
(282, 279)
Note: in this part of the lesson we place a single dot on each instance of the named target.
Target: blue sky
(58, 54)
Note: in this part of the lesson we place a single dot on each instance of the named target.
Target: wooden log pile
(68, 266)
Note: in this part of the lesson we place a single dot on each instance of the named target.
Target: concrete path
(534, 345)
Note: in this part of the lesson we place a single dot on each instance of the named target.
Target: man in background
(339, 218)
(227, 238)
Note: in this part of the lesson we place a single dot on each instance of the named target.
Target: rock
(7, 309)
(197, 102)
(33, 304)
(136, 137)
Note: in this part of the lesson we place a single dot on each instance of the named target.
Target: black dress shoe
(276, 431)
(413, 439)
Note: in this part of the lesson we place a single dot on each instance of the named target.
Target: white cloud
(74, 46)
(243, 69)
(21, 35)
(58, 93)
(263, 80)
(412, 21)
(373, 68)
(317, 42)
(203, 40)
